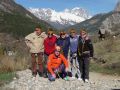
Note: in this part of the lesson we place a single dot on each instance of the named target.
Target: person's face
(63, 35)
(38, 31)
(50, 34)
(73, 34)
(57, 53)
(83, 34)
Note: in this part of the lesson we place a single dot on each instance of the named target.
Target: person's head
(57, 50)
(62, 34)
(83, 33)
(38, 30)
(72, 32)
(50, 32)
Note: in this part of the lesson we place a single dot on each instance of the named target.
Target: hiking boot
(86, 80)
(80, 79)
(45, 75)
(66, 78)
(72, 78)
(34, 74)
(40, 74)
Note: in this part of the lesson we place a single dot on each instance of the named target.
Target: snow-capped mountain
(61, 19)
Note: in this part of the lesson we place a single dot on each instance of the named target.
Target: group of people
(55, 54)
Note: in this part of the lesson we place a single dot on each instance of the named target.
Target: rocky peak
(117, 8)
(7, 5)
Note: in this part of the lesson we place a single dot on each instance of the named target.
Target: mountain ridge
(105, 23)
(63, 18)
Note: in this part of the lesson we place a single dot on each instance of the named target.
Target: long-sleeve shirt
(49, 45)
(64, 43)
(35, 42)
(54, 62)
(73, 44)
(85, 45)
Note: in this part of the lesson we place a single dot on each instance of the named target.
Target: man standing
(35, 43)
(55, 64)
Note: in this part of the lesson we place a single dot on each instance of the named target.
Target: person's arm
(49, 65)
(90, 45)
(28, 40)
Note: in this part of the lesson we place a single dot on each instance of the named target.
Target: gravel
(27, 82)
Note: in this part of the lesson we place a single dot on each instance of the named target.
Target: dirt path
(97, 82)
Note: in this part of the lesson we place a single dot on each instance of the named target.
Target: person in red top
(55, 64)
(49, 43)
(49, 47)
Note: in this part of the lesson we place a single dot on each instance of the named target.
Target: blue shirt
(73, 44)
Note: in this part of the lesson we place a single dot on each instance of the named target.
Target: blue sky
(93, 6)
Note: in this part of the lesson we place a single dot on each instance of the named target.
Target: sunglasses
(72, 32)
(62, 34)
(50, 33)
(57, 51)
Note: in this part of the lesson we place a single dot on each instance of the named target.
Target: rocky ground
(25, 81)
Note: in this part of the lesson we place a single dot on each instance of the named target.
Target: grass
(8, 67)
(107, 54)
(95, 67)
(6, 76)
(11, 64)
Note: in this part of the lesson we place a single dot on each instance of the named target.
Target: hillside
(16, 20)
(106, 22)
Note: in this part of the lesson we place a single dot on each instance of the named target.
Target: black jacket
(85, 45)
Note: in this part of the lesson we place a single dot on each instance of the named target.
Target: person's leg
(40, 59)
(78, 70)
(65, 54)
(45, 65)
(81, 62)
(86, 66)
(34, 64)
(74, 68)
(62, 71)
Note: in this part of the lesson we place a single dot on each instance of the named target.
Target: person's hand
(66, 69)
(54, 75)
(75, 55)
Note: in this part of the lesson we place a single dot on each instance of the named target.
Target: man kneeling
(57, 64)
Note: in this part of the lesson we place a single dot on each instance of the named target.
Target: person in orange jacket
(55, 64)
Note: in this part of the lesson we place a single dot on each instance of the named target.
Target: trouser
(84, 65)
(75, 65)
(37, 62)
(60, 72)
(45, 63)
(65, 55)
